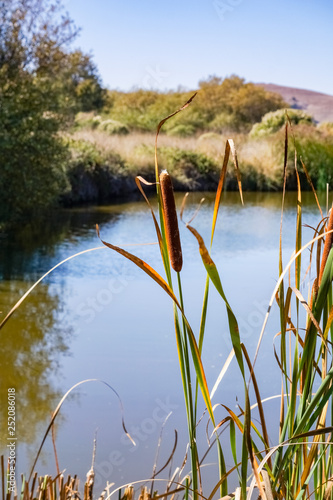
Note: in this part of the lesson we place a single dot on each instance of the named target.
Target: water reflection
(38, 335)
(32, 342)
(30, 250)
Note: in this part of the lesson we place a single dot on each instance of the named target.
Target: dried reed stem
(171, 222)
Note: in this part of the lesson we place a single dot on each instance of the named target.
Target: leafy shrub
(261, 163)
(33, 155)
(208, 136)
(273, 121)
(326, 128)
(95, 176)
(182, 130)
(190, 170)
(222, 122)
(316, 150)
(113, 127)
(221, 104)
(87, 120)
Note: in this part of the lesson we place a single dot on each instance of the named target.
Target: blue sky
(164, 44)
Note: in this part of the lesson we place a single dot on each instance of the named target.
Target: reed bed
(300, 464)
(61, 488)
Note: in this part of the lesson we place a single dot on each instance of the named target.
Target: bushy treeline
(43, 84)
(228, 104)
(58, 124)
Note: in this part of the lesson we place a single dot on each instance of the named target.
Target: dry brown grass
(262, 157)
(126, 146)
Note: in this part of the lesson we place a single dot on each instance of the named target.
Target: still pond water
(99, 317)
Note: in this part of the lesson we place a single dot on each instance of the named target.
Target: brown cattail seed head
(171, 222)
(327, 246)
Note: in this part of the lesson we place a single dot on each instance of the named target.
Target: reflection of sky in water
(122, 327)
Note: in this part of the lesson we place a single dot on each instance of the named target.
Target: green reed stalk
(171, 241)
(192, 404)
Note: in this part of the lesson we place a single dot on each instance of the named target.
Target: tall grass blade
(19, 302)
(159, 126)
(265, 437)
(193, 344)
(140, 180)
(312, 187)
(222, 373)
(215, 278)
(229, 148)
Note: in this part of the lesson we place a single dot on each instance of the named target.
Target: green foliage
(181, 130)
(222, 122)
(42, 85)
(326, 128)
(316, 151)
(86, 84)
(208, 136)
(78, 77)
(113, 127)
(233, 104)
(33, 156)
(87, 120)
(93, 121)
(95, 176)
(221, 105)
(179, 159)
(135, 109)
(191, 170)
(272, 122)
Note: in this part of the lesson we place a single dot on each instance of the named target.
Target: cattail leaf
(281, 277)
(164, 250)
(233, 441)
(308, 178)
(242, 427)
(215, 278)
(328, 323)
(308, 463)
(159, 126)
(308, 310)
(264, 437)
(282, 308)
(298, 227)
(310, 338)
(164, 285)
(222, 372)
(229, 147)
(327, 246)
(138, 181)
(308, 418)
(144, 266)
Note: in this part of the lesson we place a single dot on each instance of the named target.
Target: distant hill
(319, 105)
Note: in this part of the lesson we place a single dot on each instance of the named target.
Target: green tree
(251, 102)
(42, 85)
(79, 77)
(232, 104)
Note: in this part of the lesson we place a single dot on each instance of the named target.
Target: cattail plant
(327, 246)
(171, 222)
